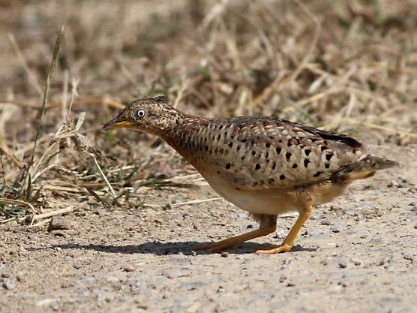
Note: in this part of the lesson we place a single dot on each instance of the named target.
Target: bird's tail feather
(364, 168)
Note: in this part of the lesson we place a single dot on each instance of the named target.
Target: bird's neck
(184, 133)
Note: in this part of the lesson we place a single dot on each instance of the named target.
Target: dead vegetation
(349, 66)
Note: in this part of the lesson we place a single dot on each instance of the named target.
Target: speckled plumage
(263, 165)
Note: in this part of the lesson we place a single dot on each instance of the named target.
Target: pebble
(224, 254)
(342, 263)
(282, 278)
(408, 256)
(326, 222)
(357, 262)
(128, 268)
(335, 229)
(314, 217)
(59, 223)
(9, 284)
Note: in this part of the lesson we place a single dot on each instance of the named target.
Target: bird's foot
(280, 249)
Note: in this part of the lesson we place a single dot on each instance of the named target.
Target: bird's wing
(281, 154)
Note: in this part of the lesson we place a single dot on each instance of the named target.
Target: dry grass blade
(197, 201)
(19, 203)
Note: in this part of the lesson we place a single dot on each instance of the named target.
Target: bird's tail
(363, 168)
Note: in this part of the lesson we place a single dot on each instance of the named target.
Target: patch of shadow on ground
(159, 248)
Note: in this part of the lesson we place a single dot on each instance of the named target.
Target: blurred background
(349, 66)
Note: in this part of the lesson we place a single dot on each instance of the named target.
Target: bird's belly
(274, 201)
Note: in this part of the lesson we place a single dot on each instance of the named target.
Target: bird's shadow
(170, 248)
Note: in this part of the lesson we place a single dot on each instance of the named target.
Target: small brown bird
(265, 166)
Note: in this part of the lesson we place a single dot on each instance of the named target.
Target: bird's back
(259, 153)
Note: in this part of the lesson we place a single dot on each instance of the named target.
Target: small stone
(290, 284)
(314, 217)
(408, 256)
(224, 254)
(342, 263)
(380, 262)
(326, 222)
(9, 284)
(128, 268)
(393, 183)
(59, 223)
(335, 229)
(357, 262)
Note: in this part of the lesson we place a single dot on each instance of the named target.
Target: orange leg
(267, 226)
(289, 240)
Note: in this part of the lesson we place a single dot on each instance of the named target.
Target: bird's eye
(141, 113)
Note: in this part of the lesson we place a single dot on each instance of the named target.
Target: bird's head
(151, 115)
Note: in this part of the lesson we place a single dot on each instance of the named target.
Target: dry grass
(341, 65)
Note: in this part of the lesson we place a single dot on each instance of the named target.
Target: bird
(265, 166)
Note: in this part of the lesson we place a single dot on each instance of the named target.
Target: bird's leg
(267, 226)
(289, 240)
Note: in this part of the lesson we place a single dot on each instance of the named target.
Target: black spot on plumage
(257, 167)
(253, 152)
(306, 162)
(228, 166)
(278, 150)
(282, 177)
(329, 156)
(288, 156)
(318, 174)
(267, 145)
(266, 155)
(326, 165)
(307, 151)
(261, 182)
(231, 144)
(274, 165)
(271, 181)
(295, 165)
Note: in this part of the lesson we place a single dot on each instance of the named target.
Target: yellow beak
(117, 123)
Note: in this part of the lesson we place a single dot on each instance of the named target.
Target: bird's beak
(118, 122)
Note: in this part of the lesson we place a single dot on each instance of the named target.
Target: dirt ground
(356, 254)
(83, 249)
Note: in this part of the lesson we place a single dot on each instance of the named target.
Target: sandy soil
(356, 254)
